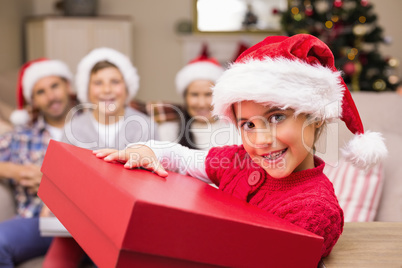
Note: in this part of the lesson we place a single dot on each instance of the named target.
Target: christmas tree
(350, 29)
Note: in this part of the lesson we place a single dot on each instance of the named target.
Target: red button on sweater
(305, 198)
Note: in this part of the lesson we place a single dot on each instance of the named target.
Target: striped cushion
(358, 191)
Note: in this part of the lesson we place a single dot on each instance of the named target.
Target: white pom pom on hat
(28, 75)
(110, 55)
(201, 68)
(365, 149)
(297, 72)
(20, 117)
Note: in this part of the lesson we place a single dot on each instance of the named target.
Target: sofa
(379, 112)
(382, 112)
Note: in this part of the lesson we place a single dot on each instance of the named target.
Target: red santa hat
(201, 68)
(297, 72)
(28, 75)
(121, 61)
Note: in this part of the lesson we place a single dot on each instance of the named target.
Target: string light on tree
(295, 10)
(359, 30)
(352, 53)
(393, 62)
(393, 79)
(329, 24)
(379, 85)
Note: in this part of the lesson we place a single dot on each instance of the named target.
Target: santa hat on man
(121, 61)
(28, 75)
(201, 68)
(297, 72)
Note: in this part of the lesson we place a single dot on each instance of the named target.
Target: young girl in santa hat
(280, 93)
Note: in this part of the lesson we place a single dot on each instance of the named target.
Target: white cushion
(358, 191)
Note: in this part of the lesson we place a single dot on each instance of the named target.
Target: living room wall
(157, 48)
(11, 16)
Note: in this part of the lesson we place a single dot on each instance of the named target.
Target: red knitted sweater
(305, 198)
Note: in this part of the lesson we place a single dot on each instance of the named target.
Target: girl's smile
(273, 156)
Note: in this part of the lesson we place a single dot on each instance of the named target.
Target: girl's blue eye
(276, 118)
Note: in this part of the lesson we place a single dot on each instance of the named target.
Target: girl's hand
(135, 156)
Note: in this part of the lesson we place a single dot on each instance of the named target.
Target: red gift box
(134, 218)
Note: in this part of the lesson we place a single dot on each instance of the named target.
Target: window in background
(238, 15)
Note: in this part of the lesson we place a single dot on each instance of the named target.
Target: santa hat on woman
(297, 72)
(121, 61)
(201, 68)
(28, 75)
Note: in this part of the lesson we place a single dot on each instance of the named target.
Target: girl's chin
(277, 174)
(276, 170)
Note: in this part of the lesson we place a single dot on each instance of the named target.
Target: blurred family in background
(94, 109)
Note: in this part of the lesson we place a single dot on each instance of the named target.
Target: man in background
(45, 86)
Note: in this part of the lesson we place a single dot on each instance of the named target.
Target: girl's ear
(319, 124)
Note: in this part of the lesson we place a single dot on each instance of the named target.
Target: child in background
(280, 93)
(106, 81)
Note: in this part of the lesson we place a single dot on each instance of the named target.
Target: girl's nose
(262, 137)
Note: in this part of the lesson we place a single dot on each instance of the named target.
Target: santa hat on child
(201, 68)
(28, 75)
(297, 72)
(110, 55)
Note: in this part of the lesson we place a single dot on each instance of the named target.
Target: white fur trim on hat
(121, 61)
(306, 88)
(365, 150)
(200, 70)
(42, 69)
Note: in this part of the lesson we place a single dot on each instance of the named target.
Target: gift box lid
(178, 217)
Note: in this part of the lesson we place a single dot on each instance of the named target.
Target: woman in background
(197, 128)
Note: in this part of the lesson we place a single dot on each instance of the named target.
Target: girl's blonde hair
(319, 130)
